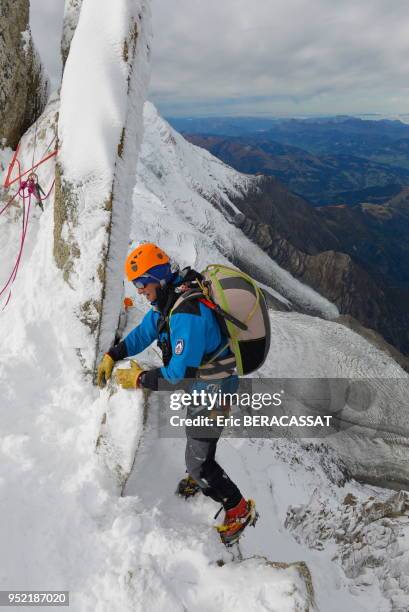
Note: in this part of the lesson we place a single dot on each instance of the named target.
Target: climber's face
(149, 291)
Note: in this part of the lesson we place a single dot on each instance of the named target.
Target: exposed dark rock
(71, 15)
(306, 244)
(66, 249)
(23, 88)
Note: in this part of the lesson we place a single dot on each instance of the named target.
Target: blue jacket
(194, 333)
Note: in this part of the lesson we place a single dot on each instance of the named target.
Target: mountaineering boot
(187, 487)
(236, 520)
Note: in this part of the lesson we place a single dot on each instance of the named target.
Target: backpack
(241, 311)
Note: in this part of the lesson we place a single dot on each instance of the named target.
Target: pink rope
(11, 166)
(31, 188)
(50, 190)
(13, 275)
(46, 158)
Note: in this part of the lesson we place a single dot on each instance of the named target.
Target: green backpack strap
(213, 368)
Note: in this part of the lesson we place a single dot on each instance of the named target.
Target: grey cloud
(267, 56)
(352, 54)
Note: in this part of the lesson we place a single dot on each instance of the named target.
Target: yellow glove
(128, 379)
(105, 370)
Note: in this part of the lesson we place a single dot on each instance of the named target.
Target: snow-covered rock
(100, 130)
(371, 537)
(72, 10)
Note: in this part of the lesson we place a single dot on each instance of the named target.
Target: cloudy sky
(269, 57)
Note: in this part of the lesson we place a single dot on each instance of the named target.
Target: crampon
(236, 520)
(187, 487)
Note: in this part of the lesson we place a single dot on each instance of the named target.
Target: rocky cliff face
(312, 247)
(23, 87)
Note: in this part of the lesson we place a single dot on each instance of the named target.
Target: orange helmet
(143, 258)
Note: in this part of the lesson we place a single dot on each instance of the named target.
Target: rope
(26, 190)
(8, 203)
(7, 183)
(49, 191)
(30, 188)
(47, 157)
(35, 132)
(11, 166)
(15, 195)
(13, 275)
(51, 142)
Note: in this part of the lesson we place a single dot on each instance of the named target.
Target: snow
(93, 94)
(71, 517)
(5, 157)
(26, 38)
(323, 349)
(181, 199)
(58, 498)
(277, 474)
(100, 130)
(94, 91)
(33, 147)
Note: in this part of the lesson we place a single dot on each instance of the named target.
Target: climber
(187, 334)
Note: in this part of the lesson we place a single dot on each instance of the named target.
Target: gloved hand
(128, 379)
(105, 370)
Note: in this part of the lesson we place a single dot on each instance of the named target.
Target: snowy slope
(181, 199)
(64, 522)
(176, 181)
(57, 497)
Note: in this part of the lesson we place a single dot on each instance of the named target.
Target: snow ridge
(100, 132)
(182, 200)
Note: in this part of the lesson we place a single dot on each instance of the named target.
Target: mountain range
(342, 175)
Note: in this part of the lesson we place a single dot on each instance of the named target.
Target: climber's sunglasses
(142, 281)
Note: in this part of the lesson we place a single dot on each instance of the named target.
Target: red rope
(13, 275)
(50, 190)
(8, 183)
(30, 186)
(11, 166)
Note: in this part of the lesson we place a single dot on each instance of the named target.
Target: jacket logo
(179, 346)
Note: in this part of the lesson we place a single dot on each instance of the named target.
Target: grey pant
(212, 479)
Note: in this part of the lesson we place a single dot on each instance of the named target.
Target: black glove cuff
(118, 352)
(149, 379)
